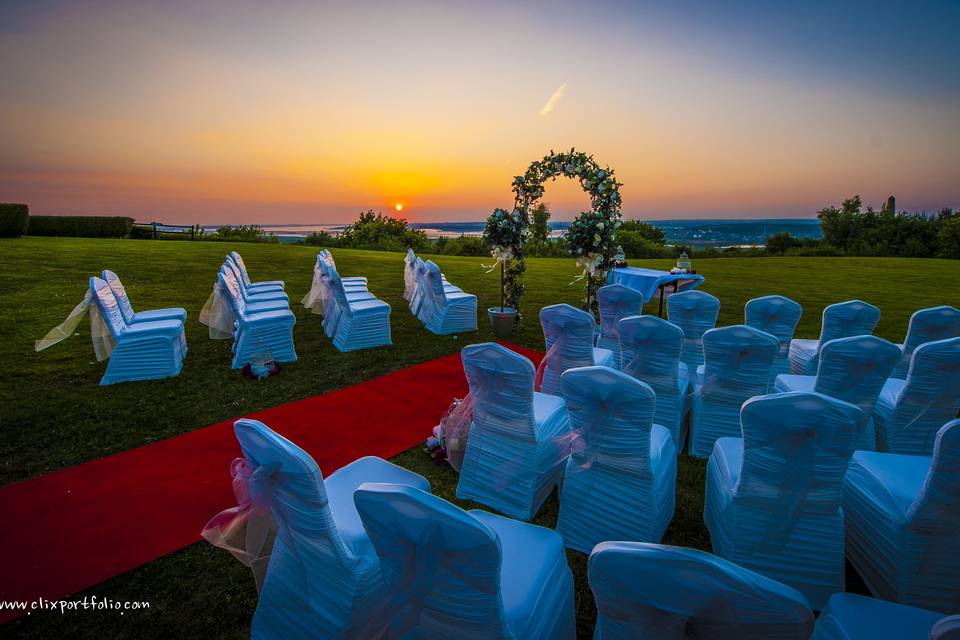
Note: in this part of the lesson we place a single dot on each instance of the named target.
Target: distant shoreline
(697, 232)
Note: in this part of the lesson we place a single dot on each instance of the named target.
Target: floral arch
(592, 235)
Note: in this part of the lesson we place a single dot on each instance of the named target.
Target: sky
(309, 112)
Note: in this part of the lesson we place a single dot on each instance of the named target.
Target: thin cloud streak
(554, 99)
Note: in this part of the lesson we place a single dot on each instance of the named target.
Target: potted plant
(504, 235)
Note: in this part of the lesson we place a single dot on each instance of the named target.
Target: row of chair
(743, 361)
(256, 315)
(773, 492)
(370, 552)
(442, 307)
(353, 317)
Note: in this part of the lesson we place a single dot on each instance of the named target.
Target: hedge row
(80, 226)
(13, 219)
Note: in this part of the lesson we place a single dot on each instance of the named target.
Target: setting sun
(399, 207)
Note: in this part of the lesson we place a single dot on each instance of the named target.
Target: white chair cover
(927, 325)
(620, 480)
(909, 412)
(849, 616)
(695, 312)
(840, 320)
(773, 496)
(569, 335)
(854, 370)
(656, 592)
(616, 303)
(778, 316)
(903, 515)
(465, 574)
(737, 368)
(650, 348)
(323, 578)
(519, 439)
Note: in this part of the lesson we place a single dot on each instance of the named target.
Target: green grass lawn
(53, 413)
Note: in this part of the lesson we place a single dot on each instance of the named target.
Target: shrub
(321, 239)
(80, 226)
(645, 229)
(780, 243)
(14, 219)
(241, 233)
(636, 245)
(382, 233)
(948, 239)
(462, 246)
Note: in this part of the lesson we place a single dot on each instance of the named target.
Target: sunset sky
(270, 112)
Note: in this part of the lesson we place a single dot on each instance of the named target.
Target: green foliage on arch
(592, 236)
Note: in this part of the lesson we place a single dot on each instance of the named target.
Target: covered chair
(247, 282)
(126, 309)
(569, 334)
(519, 439)
(361, 322)
(259, 335)
(849, 616)
(650, 351)
(409, 277)
(446, 312)
(327, 258)
(260, 294)
(621, 476)
(927, 325)
(656, 592)
(323, 578)
(773, 496)
(695, 312)
(737, 367)
(851, 369)
(616, 303)
(355, 292)
(909, 412)
(840, 320)
(903, 517)
(138, 351)
(778, 316)
(461, 574)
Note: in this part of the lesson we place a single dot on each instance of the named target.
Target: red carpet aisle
(69, 530)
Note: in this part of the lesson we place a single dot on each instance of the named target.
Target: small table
(651, 282)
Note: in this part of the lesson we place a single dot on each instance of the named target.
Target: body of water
(702, 233)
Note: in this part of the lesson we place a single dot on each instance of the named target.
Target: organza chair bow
(903, 515)
(519, 438)
(616, 302)
(572, 330)
(695, 312)
(620, 478)
(773, 496)
(840, 320)
(660, 592)
(323, 578)
(465, 574)
(650, 348)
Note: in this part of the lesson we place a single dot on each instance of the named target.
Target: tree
(384, 233)
(636, 245)
(645, 230)
(540, 227)
(948, 240)
(780, 243)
